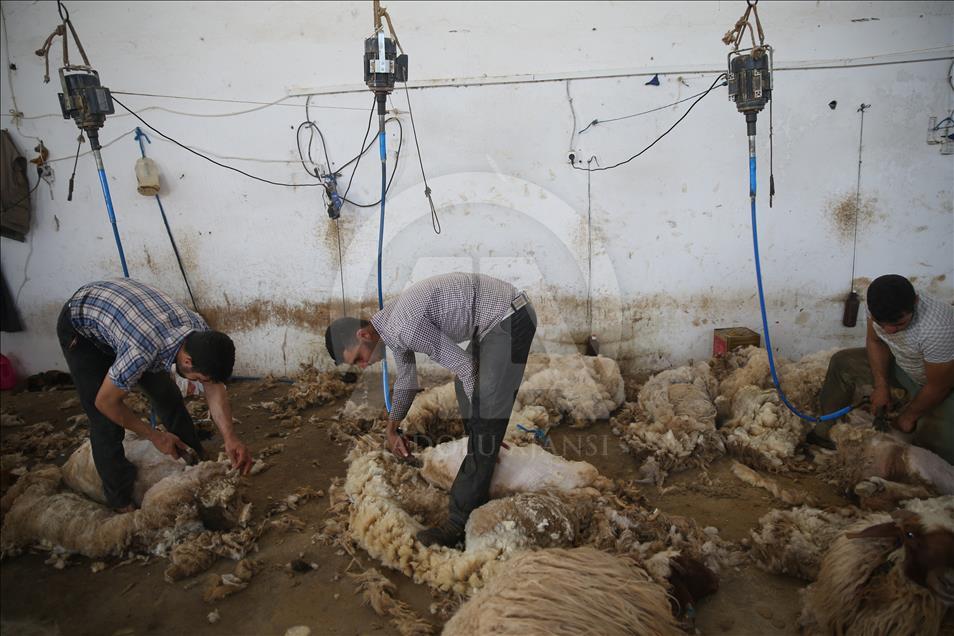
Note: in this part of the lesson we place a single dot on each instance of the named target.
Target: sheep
(527, 520)
(40, 513)
(519, 469)
(883, 470)
(80, 475)
(887, 574)
(672, 427)
(560, 591)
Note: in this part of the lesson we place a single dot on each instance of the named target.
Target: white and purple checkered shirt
(431, 317)
(141, 325)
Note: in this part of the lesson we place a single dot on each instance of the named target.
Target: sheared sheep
(79, 471)
(883, 470)
(557, 591)
(887, 574)
(672, 427)
(519, 469)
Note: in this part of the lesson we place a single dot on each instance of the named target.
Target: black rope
(435, 221)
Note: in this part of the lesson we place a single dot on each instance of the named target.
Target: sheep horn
(887, 530)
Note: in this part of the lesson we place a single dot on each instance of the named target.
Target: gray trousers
(501, 358)
(849, 368)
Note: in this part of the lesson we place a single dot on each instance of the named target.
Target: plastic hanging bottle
(850, 317)
(147, 174)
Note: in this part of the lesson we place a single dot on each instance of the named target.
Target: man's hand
(168, 444)
(906, 422)
(397, 444)
(239, 456)
(880, 399)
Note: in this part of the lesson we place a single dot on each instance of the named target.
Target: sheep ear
(880, 531)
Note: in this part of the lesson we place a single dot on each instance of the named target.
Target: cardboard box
(727, 339)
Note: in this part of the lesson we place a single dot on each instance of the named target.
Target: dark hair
(212, 353)
(340, 335)
(890, 297)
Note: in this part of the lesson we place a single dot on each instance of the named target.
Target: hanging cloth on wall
(14, 190)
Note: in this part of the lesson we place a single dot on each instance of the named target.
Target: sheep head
(928, 550)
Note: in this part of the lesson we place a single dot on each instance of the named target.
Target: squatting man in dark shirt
(118, 334)
(431, 317)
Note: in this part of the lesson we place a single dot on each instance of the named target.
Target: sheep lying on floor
(152, 466)
(519, 469)
(391, 501)
(578, 591)
(672, 427)
(882, 470)
(887, 574)
(41, 511)
(558, 503)
(574, 389)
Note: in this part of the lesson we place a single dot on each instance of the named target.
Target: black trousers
(89, 364)
(501, 358)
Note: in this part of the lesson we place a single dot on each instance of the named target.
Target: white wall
(671, 231)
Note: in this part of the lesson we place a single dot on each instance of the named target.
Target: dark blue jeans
(89, 363)
(501, 358)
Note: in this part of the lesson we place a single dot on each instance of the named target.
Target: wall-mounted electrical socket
(46, 173)
(941, 133)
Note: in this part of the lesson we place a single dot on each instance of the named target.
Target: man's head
(206, 356)
(891, 302)
(353, 341)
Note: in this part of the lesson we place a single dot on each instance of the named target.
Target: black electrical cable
(209, 159)
(645, 112)
(435, 221)
(688, 110)
(79, 143)
(360, 154)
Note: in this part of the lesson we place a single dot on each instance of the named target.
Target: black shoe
(447, 535)
(817, 440)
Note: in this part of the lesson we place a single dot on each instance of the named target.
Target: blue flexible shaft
(384, 187)
(765, 328)
(112, 219)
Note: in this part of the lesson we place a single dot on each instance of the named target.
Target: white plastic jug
(147, 173)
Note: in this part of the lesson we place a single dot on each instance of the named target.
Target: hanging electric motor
(749, 81)
(87, 102)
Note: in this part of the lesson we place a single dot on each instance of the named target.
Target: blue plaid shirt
(141, 325)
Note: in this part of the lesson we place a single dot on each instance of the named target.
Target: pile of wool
(41, 511)
(672, 427)
(794, 541)
(353, 420)
(44, 441)
(311, 388)
(558, 591)
(574, 389)
(556, 389)
(759, 428)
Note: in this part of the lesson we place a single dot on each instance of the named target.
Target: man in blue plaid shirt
(118, 334)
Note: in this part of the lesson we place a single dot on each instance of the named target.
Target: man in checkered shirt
(910, 345)
(118, 334)
(431, 317)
